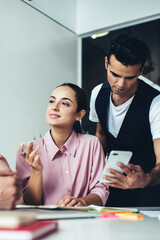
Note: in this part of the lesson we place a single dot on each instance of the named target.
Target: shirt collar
(69, 147)
(71, 144)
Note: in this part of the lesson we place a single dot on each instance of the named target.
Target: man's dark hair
(128, 50)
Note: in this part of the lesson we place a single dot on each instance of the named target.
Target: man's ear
(142, 70)
(80, 115)
(106, 62)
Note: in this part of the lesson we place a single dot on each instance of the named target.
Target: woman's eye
(51, 101)
(65, 104)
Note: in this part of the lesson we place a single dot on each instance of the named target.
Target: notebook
(82, 208)
(63, 214)
(15, 218)
(34, 230)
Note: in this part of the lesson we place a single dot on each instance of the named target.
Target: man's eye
(129, 78)
(114, 74)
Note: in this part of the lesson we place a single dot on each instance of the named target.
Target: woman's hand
(70, 201)
(31, 156)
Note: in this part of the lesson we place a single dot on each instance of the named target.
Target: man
(127, 112)
(10, 186)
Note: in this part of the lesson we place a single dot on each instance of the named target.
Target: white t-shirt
(116, 114)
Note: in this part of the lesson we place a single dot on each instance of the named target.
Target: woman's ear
(80, 115)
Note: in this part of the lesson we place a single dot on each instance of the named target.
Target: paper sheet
(153, 214)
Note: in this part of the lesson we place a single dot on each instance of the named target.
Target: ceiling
(84, 17)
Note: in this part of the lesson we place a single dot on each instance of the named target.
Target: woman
(64, 166)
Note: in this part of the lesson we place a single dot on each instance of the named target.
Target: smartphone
(113, 159)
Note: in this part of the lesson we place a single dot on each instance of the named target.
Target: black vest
(135, 136)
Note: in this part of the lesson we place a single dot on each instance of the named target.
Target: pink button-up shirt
(74, 170)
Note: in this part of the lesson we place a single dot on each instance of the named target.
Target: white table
(107, 229)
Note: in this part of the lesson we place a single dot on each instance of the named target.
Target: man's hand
(134, 177)
(10, 189)
(70, 201)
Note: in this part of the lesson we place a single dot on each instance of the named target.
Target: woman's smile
(54, 116)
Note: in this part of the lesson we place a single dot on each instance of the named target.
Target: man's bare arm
(154, 174)
(101, 136)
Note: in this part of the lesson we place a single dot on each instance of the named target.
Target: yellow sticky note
(130, 216)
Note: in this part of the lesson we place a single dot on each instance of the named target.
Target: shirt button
(67, 171)
(63, 149)
(69, 191)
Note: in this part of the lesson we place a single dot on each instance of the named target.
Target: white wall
(36, 55)
(63, 11)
